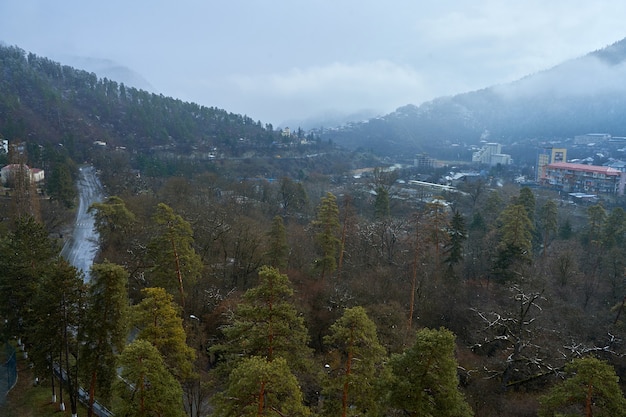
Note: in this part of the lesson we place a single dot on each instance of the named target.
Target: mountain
(579, 96)
(44, 102)
(106, 68)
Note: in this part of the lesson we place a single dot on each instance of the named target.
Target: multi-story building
(491, 154)
(548, 156)
(588, 179)
(422, 160)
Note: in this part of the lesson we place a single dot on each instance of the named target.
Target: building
(491, 154)
(591, 138)
(548, 156)
(422, 160)
(8, 171)
(588, 179)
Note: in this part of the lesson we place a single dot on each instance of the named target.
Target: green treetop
(258, 387)
(591, 389)
(105, 328)
(327, 226)
(146, 387)
(266, 324)
(174, 262)
(424, 381)
(158, 319)
(355, 372)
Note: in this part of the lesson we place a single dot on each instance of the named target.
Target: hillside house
(9, 171)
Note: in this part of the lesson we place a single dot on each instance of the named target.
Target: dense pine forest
(234, 282)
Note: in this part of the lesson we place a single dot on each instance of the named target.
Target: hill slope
(579, 96)
(45, 102)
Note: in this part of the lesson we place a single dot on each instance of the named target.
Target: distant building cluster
(569, 177)
(579, 179)
(546, 157)
(491, 154)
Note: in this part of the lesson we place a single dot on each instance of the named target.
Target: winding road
(81, 248)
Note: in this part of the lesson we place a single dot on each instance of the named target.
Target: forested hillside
(579, 96)
(44, 101)
(300, 291)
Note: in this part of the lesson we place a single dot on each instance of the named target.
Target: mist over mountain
(106, 68)
(579, 96)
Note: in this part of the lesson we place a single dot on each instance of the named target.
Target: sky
(282, 61)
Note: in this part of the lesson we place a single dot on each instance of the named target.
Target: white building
(491, 154)
(8, 171)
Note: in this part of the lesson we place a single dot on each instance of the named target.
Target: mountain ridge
(575, 97)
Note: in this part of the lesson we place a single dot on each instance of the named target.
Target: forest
(308, 292)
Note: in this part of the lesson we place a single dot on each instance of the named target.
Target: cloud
(380, 84)
(583, 77)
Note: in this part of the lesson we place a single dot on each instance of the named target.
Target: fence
(8, 372)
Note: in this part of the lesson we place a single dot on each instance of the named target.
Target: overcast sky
(284, 60)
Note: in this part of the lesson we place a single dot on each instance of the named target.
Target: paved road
(81, 249)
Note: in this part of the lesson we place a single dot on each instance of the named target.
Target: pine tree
(515, 247)
(27, 254)
(259, 387)
(327, 225)
(145, 386)
(175, 263)
(59, 306)
(278, 248)
(113, 221)
(457, 234)
(159, 322)
(424, 378)
(267, 324)
(591, 389)
(355, 371)
(548, 218)
(381, 203)
(105, 329)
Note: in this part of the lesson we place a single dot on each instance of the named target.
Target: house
(9, 171)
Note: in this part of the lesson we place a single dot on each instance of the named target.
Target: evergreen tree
(113, 221)
(266, 324)
(356, 369)
(526, 198)
(146, 387)
(278, 248)
(424, 380)
(159, 322)
(591, 389)
(27, 254)
(327, 225)
(259, 387)
(515, 247)
(596, 218)
(457, 234)
(381, 203)
(174, 262)
(60, 185)
(548, 218)
(614, 228)
(59, 305)
(105, 329)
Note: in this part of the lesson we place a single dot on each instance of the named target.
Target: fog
(285, 61)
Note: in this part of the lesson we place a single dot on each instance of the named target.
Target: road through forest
(81, 248)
